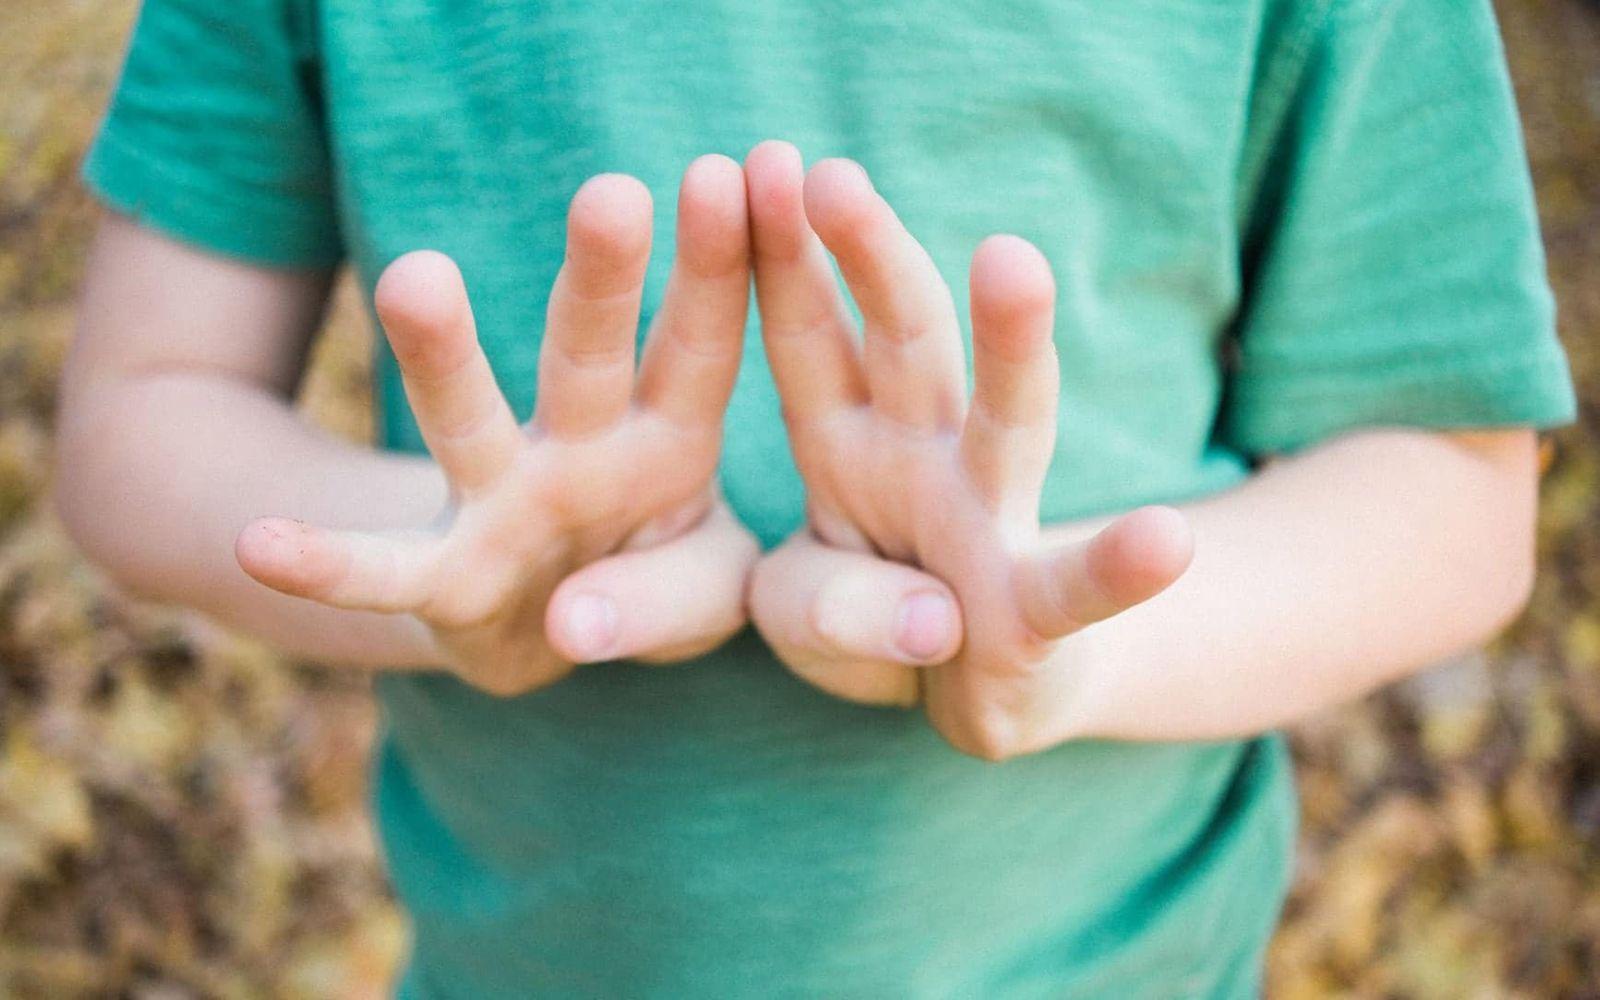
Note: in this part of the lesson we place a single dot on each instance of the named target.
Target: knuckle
(989, 736)
(767, 580)
(462, 425)
(518, 674)
(809, 326)
(909, 329)
(597, 356)
(995, 748)
(837, 622)
(824, 620)
(712, 342)
(795, 419)
(878, 685)
(460, 611)
(1002, 420)
(503, 686)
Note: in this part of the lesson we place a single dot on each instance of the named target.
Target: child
(1287, 278)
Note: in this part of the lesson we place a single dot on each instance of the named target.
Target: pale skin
(923, 575)
(592, 532)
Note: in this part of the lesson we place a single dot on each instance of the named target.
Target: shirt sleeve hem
(173, 201)
(1282, 413)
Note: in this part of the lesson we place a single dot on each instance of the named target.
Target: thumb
(1128, 562)
(670, 602)
(852, 623)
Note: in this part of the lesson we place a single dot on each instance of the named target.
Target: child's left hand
(923, 510)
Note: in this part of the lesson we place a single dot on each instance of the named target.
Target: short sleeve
(1393, 272)
(215, 135)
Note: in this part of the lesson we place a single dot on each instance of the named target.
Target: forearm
(1323, 577)
(161, 469)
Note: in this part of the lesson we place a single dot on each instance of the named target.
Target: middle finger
(913, 351)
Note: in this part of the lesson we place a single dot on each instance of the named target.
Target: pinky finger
(353, 570)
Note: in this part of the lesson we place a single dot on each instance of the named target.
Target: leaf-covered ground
(182, 812)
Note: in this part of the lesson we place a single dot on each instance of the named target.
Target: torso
(719, 828)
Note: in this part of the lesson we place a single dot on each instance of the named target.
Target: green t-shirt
(1272, 221)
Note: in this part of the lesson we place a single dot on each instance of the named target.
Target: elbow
(88, 532)
(71, 492)
(1498, 547)
(74, 506)
(88, 514)
(72, 510)
(66, 497)
(1514, 582)
(1520, 572)
(1509, 576)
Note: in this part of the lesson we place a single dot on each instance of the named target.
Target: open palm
(595, 531)
(918, 502)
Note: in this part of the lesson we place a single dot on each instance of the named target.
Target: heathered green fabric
(1272, 221)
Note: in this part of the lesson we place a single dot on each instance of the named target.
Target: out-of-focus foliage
(182, 812)
(1451, 828)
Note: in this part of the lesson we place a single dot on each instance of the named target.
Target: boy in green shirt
(1288, 230)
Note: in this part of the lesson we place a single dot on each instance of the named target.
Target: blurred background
(182, 812)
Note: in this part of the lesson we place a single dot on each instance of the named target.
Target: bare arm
(1322, 578)
(593, 532)
(176, 429)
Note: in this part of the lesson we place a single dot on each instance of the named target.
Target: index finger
(914, 362)
(806, 330)
(464, 417)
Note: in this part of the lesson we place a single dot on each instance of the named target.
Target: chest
(1107, 134)
(473, 122)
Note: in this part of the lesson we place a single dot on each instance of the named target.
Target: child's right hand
(596, 531)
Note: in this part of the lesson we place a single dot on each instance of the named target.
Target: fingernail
(923, 625)
(591, 625)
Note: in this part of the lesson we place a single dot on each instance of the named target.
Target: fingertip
(1013, 296)
(879, 614)
(582, 625)
(416, 283)
(1170, 518)
(1008, 270)
(1165, 537)
(281, 553)
(712, 218)
(772, 153)
(839, 198)
(774, 174)
(420, 298)
(610, 218)
(713, 179)
(773, 167)
(257, 544)
(1142, 553)
(927, 627)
